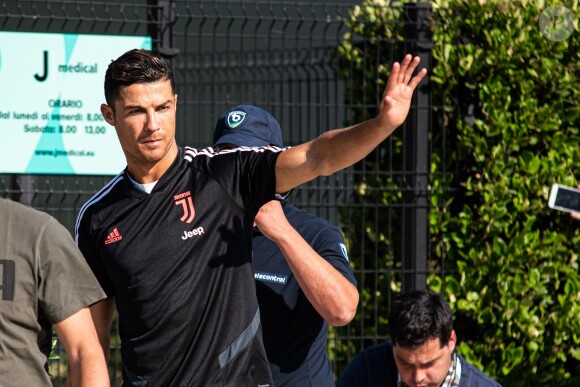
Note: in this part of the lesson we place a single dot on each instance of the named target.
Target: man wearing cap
(170, 238)
(303, 278)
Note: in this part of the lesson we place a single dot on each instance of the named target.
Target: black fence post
(417, 154)
(22, 189)
(160, 18)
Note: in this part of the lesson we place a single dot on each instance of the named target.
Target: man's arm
(331, 294)
(86, 363)
(341, 148)
(102, 313)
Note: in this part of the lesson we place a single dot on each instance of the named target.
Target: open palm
(397, 96)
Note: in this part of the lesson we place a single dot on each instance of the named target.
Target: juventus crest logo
(186, 202)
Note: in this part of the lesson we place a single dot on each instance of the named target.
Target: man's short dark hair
(135, 66)
(419, 316)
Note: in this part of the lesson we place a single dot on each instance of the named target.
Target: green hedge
(511, 115)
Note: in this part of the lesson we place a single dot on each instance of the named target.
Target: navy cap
(247, 125)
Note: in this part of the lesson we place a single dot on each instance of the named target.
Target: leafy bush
(511, 115)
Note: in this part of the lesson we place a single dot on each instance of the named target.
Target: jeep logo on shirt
(192, 233)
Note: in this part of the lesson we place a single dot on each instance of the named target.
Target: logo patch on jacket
(342, 248)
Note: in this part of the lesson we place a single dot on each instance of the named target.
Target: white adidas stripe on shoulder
(190, 153)
(94, 199)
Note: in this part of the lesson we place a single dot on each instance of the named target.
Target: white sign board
(51, 89)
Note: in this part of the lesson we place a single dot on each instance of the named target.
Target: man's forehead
(430, 351)
(146, 93)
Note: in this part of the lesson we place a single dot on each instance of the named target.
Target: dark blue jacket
(375, 367)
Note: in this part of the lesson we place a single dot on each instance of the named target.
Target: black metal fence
(282, 56)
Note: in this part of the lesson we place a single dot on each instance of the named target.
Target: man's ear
(108, 114)
(452, 340)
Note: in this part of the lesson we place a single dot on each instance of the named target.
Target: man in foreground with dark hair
(170, 237)
(422, 352)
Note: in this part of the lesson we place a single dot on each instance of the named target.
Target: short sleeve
(248, 175)
(65, 282)
(323, 237)
(331, 246)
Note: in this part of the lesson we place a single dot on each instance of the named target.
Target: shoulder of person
(297, 216)
(471, 376)
(23, 213)
(374, 366)
(381, 352)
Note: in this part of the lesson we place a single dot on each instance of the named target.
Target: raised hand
(397, 96)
